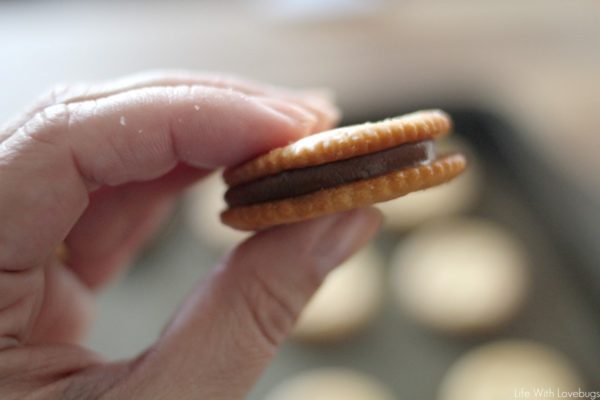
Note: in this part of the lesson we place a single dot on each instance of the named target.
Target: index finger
(62, 153)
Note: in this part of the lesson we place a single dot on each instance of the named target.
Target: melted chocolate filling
(297, 182)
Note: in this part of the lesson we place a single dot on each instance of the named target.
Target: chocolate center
(297, 182)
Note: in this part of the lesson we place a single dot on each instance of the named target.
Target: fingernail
(330, 111)
(345, 236)
(299, 114)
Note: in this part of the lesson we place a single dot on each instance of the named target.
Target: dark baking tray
(555, 220)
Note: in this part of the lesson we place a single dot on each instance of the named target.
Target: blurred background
(522, 83)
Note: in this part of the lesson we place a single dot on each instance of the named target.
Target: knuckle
(57, 94)
(34, 114)
(61, 94)
(47, 124)
(51, 113)
(67, 93)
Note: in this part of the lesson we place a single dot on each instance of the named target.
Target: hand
(98, 167)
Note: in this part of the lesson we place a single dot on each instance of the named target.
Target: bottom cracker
(345, 197)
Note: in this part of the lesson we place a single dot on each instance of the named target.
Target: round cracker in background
(331, 384)
(461, 276)
(510, 369)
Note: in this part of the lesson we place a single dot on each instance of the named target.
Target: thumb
(231, 326)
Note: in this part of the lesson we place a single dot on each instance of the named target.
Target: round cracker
(475, 282)
(331, 383)
(511, 369)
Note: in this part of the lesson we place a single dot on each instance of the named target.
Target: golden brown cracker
(343, 143)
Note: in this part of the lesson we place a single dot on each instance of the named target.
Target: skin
(98, 167)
